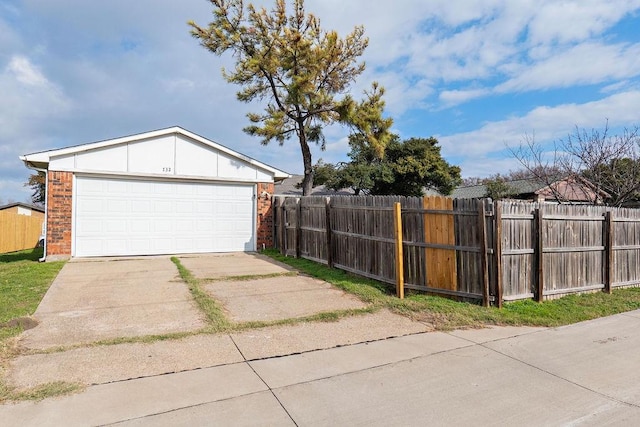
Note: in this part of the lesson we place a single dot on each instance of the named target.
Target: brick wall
(265, 215)
(59, 193)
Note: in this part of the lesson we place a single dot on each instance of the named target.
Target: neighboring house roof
(525, 188)
(22, 205)
(519, 187)
(289, 187)
(40, 160)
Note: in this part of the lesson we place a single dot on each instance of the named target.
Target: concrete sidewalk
(584, 374)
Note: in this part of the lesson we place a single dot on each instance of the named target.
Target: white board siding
(170, 155)
(112, 159)
(153, 156)
(114, 216)
(193, 159)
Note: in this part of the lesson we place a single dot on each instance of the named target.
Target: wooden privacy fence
(18, 232)
(359, 234)
(548, 250)
(472, 249)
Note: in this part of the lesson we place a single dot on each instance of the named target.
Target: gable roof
(289, 187)
(567, 186)
(40, 160)
(22, 205)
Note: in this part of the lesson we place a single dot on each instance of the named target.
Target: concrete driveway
(253, 287)
(99, 299)
(93, 300)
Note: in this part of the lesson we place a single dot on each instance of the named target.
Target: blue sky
(478, 75)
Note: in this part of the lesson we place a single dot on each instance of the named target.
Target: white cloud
(577, 20)
(484, 167)
(512, 46)
(24, 72)
(547, 123)
(30, 103)
(454, 97)
(587, 63)
(27, 96)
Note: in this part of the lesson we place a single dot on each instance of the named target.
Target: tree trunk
(307, 181)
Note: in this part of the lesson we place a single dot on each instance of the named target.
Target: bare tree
(602, 166)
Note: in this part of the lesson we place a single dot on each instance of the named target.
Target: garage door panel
(91, 204)
(129, 217)
(161, 206)
(184, 207)
(116, 226)
(117, 206)
(140, 226)
(162, 226)
(115, 187)
(183, 226)
(206, 208)
(113, 245)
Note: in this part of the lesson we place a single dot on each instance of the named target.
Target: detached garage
(162, 192)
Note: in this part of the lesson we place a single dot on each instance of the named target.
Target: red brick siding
(59, 194)
(265, 215)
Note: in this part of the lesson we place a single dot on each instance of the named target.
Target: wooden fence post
(298, 226)
(539, 254)
(482, 230)
(328, 234)
(279, 223)
(608, 251)
(498, 252)
(397, 217)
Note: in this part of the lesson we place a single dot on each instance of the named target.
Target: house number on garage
(166, 169)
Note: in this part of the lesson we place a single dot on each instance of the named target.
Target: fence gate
(439, 230)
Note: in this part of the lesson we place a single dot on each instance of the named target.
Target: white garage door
(132, 217)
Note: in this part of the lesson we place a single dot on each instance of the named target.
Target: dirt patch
(22, 322)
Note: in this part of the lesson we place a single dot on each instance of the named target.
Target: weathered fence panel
(518, 250)
(572, 248)
(313, 229)
(468, 246)
(413, 233)
(286, 225)
(476, 249)
(18, 232)
(356, 234)
(363, 235)
(626, 247)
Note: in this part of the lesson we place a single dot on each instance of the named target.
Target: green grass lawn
(446, 314)
(23, 283)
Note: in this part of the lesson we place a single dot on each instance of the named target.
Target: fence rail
(473, 249)
(18, 232)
